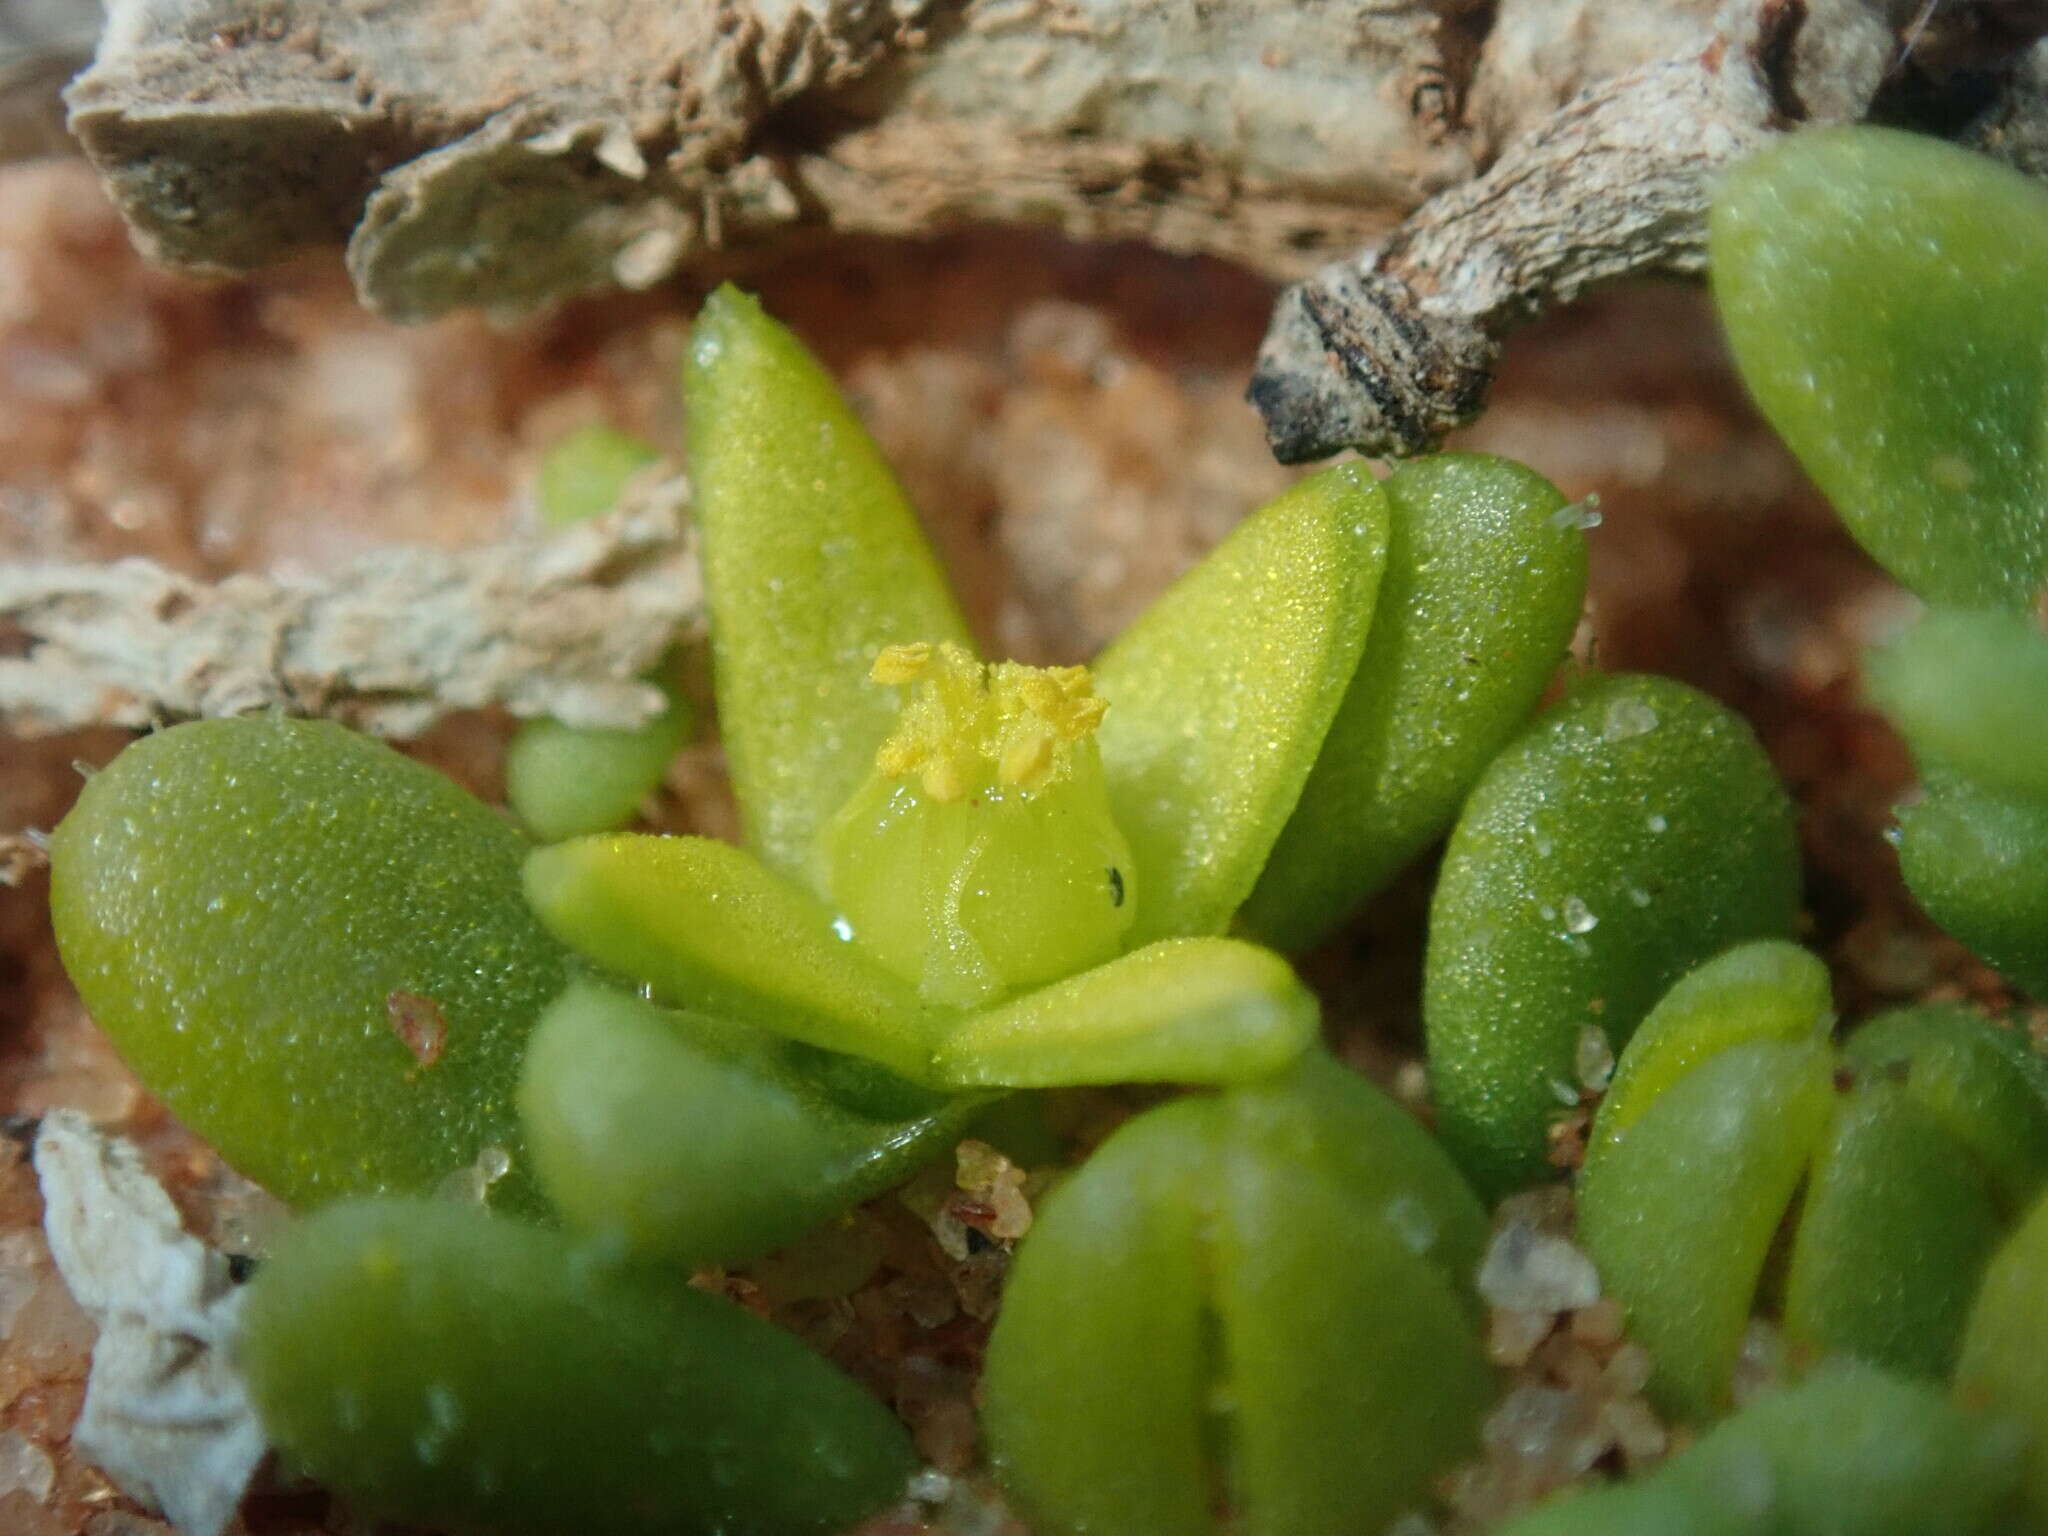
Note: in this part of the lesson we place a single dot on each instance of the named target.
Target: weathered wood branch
(508, 153)
(561, 626)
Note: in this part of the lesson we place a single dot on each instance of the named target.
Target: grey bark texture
(560, 626)
(1491, 157)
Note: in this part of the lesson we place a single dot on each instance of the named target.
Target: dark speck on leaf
(1116, 887)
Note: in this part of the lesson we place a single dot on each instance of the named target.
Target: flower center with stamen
(980, 856)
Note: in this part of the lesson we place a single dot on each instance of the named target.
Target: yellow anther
(900, 664)
(1027, 760)
(967, 726)
(944, 780)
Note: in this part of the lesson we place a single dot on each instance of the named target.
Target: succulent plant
(1865, 1188)
(1254, 1306)
(313, 949)
(963, 879)
(960, 880)
(1883, 296)
(1628, 832)
(444, 1365)
(564, 780)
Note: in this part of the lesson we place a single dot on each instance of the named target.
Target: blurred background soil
(1070, 421)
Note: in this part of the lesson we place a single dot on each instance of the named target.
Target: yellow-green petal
(707, 926)
(813, 562)
(1221, 693)
(1181, 1010)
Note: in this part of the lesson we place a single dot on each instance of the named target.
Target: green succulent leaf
(1180, 1010)
(1322, 1117)
(1982, 1080)
(813, 562)
(1221, 693)
(311, 948)
(1199, 1276)
(1883, 293)
(1978, 862)
(1906, 1173)
(1969, 690)
(697, 1141)
(582, 475)
(572, 781)
(1766, 990)
(1851, 1451)
(708, 927)
(1625, 835)
(435, 1365)
(1353, 1372)
(1728, 1145)
(2004, 1344)
(1105, 1290)
(1894, 1231)
(1485, 577)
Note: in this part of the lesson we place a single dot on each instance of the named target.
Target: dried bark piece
(165, 1414)
(561, 626)
(1389, 352)
(507, 156)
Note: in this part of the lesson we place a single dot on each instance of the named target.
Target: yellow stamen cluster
(967, 725)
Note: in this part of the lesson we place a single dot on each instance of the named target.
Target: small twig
(1389, 351)
(561, 626)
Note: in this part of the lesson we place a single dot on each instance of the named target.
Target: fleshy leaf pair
(1886, 297)
(446, 1367)
(1217, 702)
(1880, 1176)
(1256, 1302)
(1625, 835)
